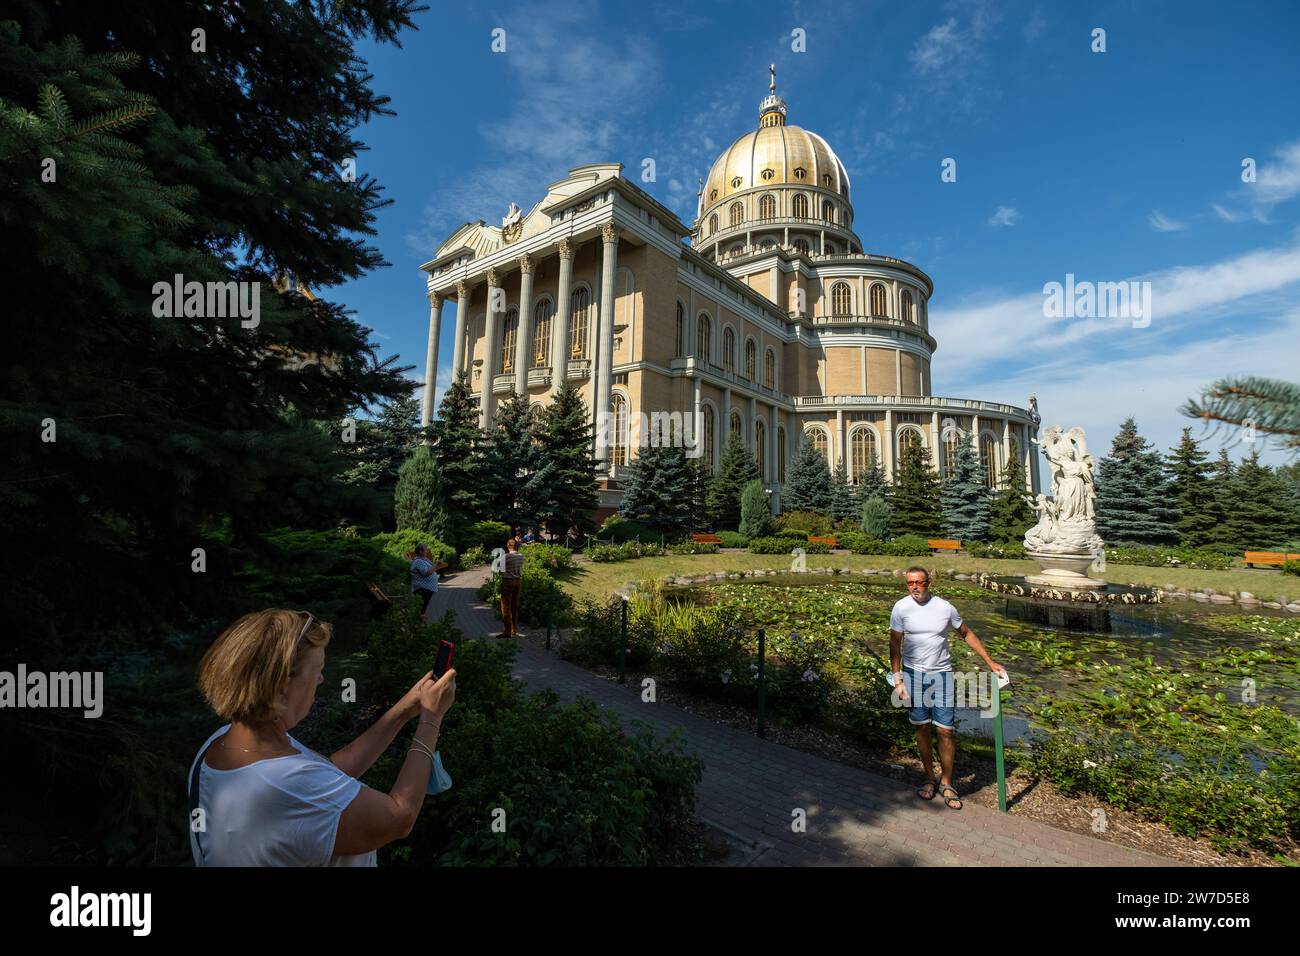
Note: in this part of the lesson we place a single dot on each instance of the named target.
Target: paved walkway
(751, 787)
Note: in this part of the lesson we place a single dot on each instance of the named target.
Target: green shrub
(799, 683)
(692, 547)
(402, 648)
(791, 533)
(875, 518)
(475, 556)
(1291, 567)
(1166, 557)
(733, 539)
(809, 522)
(553, 556)
(783, 545)
(486, 535)
(541, 599)
(619, 529)
(402, 543)
(318, 570)
(910, 545)
(596, 636)
(755, 510)
(625, 551)
(851, 540)
(576, 788)
(1003, 549)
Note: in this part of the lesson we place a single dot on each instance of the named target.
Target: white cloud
(1276, 182)
(1162, 223)
(1005, 216)
(938, 48)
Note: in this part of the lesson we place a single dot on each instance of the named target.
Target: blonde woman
(268, 800)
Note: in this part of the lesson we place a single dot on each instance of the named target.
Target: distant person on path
(922, 674)
(268, 800)
(529, 536)
(512, 582)
(424, 576)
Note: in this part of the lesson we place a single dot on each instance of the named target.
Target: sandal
(953, 802)
(927, 796)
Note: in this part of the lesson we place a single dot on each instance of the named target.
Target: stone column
(605, 338)
(697, 418)
(458, 361)
(560, 346)
(887, 446)
(431, 358)
(840, 458)
(1006, 449)
(770, 451)
(975, 433)
(724, 427)
(751, 441)
(936, 442)
(524, 333)
(1037, 455)
(1029, 452)
(898, 372)
(491, 321)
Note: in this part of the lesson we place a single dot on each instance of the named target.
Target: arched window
(878, 299)
(908, 313)
(508, 341)
(581, 300)
(703, 343)
(862, 451)
(542, 332)
(760, 448)
(828, 211)
(799, 206)
(989, 459)
(841, 299)
(767, 207)
(768, 244)
(801, 246)
(618, 412)
(680, 349)
(737, 213)
(907, 437)
(769, 369)
(735, 423)
(708, 436)
(820, 442)
(780, 455)
(751, 359)
(830, 249)
(952, 438)
(729, 350)
(713, 224)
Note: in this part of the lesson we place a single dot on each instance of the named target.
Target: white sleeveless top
(280, 811)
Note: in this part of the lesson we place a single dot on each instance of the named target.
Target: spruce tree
(418, 499)
(1010, 512)
(1220, 501)
(657, 489)
(876, 517)
(755, 510)
(873, 482)
(845, 505)
(515, 473)
(1262, 405)
(737, 470)
(1259, 517)
(1190, 485)
(963, 498)
(808, 482)
(1134, 501)
(915, 501)
(459, 446)
(701, 483)
(568, 498)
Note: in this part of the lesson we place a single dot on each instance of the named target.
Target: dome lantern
(771, 112)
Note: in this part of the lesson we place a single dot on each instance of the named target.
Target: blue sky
(1114, 166)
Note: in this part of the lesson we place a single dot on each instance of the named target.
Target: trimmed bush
(1291, 567)
(851, 540)
(553, 556)
(791, 533)
(402, 543)
(910, 545)
(625, 551)
(786, 546)
(1004, 549)
(474, 557)
(487, 535)
(733, 539)
(1167, 557)
(619, 529)
(809, 522)
(692, 547)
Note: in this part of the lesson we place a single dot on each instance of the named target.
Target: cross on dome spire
(771, 112)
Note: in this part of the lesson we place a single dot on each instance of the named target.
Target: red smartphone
(443, 662)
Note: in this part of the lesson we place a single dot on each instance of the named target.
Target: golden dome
(776, 155)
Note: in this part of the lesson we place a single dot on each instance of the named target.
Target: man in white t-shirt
(922, 674)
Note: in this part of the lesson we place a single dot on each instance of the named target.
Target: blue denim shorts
(932, 696)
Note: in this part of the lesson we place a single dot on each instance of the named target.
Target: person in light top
(922, 675)
(268, 800)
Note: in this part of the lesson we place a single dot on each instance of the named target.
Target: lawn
(597, 581)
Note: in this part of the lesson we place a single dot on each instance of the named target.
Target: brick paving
(751, 787)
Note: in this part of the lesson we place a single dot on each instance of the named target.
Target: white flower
(1087, 764)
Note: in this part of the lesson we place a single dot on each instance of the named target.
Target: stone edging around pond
(1169, 592)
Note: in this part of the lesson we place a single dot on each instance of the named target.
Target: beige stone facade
(772, 320)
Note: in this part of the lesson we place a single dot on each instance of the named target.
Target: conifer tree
(873, 482)
(657, 489)
(515, 474)
(963, 498)
(915, 501)
(565, 438)
(459, 447)
(755, 511)
(808, 482)
(1259, 516)
(737, 470)
(1010, 513)
(845, 505)
(875, 518)
(1190, 485)
(418, 498)
(1134, 502)
(1262, 405)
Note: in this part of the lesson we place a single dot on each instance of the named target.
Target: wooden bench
(1268, 557)
(942, 544)
(700, 537)
(829, 540)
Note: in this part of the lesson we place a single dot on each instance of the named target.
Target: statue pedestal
(1064, 571)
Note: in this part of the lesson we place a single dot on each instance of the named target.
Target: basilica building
(764, 317)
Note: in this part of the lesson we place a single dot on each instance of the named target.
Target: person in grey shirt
(512, 584)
